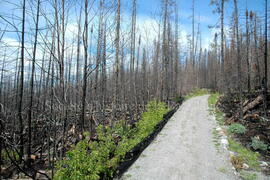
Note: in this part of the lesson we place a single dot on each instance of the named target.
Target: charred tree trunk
(20, 106)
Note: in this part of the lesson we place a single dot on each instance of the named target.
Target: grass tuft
(247, 156)
(248, 176)
(212, 100)
(222, 170)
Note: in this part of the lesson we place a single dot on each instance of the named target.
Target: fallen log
(246, 108)
(253, 116)
(253, 104)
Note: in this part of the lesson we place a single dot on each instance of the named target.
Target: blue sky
(147, 9)
(147, 16)
(203, 9)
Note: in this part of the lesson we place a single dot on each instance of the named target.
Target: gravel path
(184, 149)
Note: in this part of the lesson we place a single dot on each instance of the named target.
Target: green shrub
(100, 159)
(237, 128)
(89, 161)
(258, 145)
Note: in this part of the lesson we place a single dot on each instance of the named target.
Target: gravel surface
(184, 149)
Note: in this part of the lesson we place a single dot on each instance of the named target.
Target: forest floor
(184, 149)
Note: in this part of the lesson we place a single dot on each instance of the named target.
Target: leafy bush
(237, 128)
(99, 160)
(258, 145)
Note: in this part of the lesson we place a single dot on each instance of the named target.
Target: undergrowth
(236, 128)
(248, 175)
(245, 155)
(212, 100)
(99, 159)
(257, 144)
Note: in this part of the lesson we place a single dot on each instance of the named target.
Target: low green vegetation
(248, 175)
(245, 155)
(236, 128)
(99, 160)
(258, 144)
(222, 170)
(216, 138)
(9, 152)
(212, 100)
(197, 92)
(178, 99)
(242, 154)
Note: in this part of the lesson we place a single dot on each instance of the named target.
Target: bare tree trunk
(223, 76)
(256, 50)
(132, 59)
(1, 100)
(265, 58)
(104, 76)
(32, 88)
(99, 53)
(20, 106)
(85, 42)
(117, 62)
(78, 66)
(164, 52)
(193, 34)
(176, 55)
(239, 67)
(247, 49)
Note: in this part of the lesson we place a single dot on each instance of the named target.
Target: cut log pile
(256, 118)
(248, 106)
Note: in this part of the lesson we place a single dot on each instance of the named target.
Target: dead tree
(239, 67)
(247, 49)
(132, 58)
(265, 58)
(78, 66)
(85, 43)
(223, 81)
(21, 89)
(117, 61)
(30, 112)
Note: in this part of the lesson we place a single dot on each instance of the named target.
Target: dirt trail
(184, 150)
